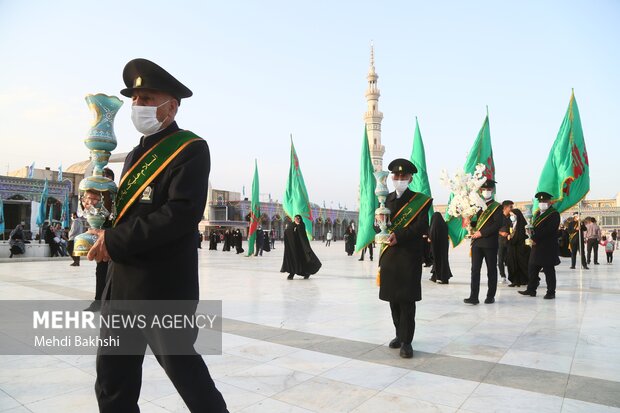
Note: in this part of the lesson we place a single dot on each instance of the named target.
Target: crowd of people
(148, 251)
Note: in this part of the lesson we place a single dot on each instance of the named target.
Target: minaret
(373, 116)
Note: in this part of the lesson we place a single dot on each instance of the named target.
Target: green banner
(481, 152)
(368, 199)
(566, 174)
(420, 182)
(296, 201)
(254, 212)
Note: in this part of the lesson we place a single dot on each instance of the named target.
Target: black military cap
(543, 196)
(489, 184)
(402, 166)
(144, 74)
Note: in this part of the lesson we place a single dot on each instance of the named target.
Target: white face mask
(513, 218)
(487, 195)
(543, 206)
(400, 186)
(144, 119)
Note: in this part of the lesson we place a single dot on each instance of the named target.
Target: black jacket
(401, 264)
(153, 247)
(546, 249)
(490, 230)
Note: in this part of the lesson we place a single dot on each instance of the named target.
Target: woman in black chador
(349, 240)
(227, 240)
(298, 256)
(518, 253)
(438, 235)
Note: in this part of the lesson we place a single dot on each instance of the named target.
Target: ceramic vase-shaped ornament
(382, 214)
(101, 142)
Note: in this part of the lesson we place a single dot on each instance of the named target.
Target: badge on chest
(147, 195)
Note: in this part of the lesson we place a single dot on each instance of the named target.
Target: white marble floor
(318, 345)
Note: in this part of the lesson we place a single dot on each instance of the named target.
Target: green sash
(541, 217)
(407, 213)
(486, 214)
(148, 167)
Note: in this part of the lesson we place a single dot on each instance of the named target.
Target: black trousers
(370, 249)
(101, 275)
(403, 316)
(610, 257)
(489, 255)
(119, 377)
(574, 246)
(534, 280)
(593, 245)
(502, 252)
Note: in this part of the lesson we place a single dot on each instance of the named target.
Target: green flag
(481, 152)
(42, 205)
(368, 200)
(566, 174)
(296, 201)
(418, 158)
(254, 212)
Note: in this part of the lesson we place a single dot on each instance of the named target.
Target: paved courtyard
(319, 345)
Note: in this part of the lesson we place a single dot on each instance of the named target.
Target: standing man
(593, 238)
(328, 238)
(260, 240)
(545, 248)
(576, 233)
(400, 261)
(78, 226)
(370, 249)
(152, 246)
(504, 231)
(484, 244)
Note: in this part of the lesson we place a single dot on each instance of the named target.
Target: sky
(263, 70)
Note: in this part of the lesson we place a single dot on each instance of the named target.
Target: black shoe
(549, 296)
(306, 276)
(75, 264)
(512, 285)
(361, 259)
(370, 258)
(93, 307)
(395, 343)
(528, 292)
(406, 351)
(585, 267)
(11, 256)
(471, 301)
(596, 263)
(572, 268)
(290, 277)
(489, 300)
(433, 279)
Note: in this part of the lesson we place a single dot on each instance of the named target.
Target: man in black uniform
(484, 244)
(504, 231)
(545, 248)
(152, 245)
(576, 241)
(400, 261)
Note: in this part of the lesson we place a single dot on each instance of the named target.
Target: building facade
(21, 196)
(226, 210)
